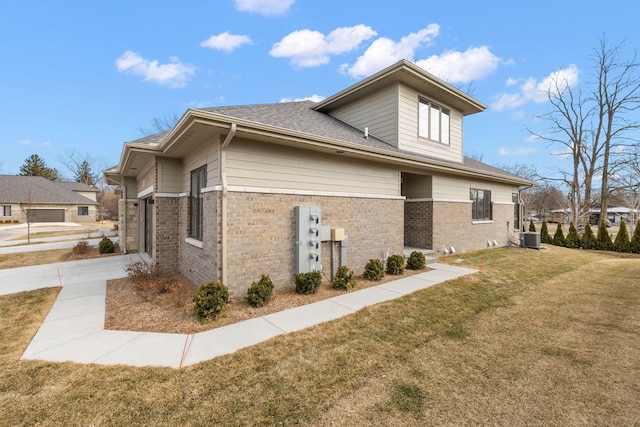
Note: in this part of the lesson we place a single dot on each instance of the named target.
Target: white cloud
(264, 7)
(174, 74)
(226, 41)
(314, 98)
(307, 48)
(531, 90)
(384, 52)
(34, 144)
(462, 67)
(517, 152)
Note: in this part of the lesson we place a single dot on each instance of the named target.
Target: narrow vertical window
(516, 210)
(196, 206)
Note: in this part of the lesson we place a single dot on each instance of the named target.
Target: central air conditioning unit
(530, 239)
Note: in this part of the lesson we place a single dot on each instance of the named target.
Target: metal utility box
(308, 239)
(530, 239)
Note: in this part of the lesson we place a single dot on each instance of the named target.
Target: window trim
(4, 209)
(196, 202)
(486, 211)
(444, 135)
(82, 209)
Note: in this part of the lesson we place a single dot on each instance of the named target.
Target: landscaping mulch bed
(165, 305)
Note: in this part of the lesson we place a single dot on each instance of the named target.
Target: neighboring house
(220, 196)
(37, 199)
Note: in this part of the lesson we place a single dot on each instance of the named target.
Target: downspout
(225, 190)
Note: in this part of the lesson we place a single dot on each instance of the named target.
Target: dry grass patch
(550, 339)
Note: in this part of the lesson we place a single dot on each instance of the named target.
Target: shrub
(209, 301)
(374, 269)
(604, 239)
(308, 283)
(395, 264)
(622, 243)
(344, 279)
(573, 238)
(80, 247)
(588, 240)
(259, 294)
(558, 238)
(532, 226)
(544, 233)
(106, 246)
(635, 240)
(416, 261)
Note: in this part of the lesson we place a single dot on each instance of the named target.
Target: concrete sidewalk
(74, 328)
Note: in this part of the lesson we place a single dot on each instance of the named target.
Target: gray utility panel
(309, 236)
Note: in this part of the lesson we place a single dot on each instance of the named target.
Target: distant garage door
(46, 215)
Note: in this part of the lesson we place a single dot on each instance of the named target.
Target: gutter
(225, 191)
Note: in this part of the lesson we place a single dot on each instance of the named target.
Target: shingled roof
(39, 190)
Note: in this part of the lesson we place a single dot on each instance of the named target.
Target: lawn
(548, 337)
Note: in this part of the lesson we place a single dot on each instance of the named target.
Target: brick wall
(130, 222)
(418, 224)
(167, 233)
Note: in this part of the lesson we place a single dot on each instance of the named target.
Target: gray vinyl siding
(206, 154)
(378, 112)
(169, 175)
(408, 129)
(456, 188)
(251, 164)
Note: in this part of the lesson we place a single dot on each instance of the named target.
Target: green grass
(537, 337)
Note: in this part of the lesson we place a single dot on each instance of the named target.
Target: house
(37, 199)
(231, 193)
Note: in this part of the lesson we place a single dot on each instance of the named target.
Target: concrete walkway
(74, 328)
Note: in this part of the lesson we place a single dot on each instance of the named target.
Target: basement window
(481, 205)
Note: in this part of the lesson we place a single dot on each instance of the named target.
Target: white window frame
(434, 122)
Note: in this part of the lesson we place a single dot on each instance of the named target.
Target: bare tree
(160, 124)
(83, 167)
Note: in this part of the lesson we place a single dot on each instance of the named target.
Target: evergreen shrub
(532, 226)
(635, 240)
(416, 261)
(544, 233)
(622, 243)
(573, 238)
(395, 264)
(210, 300)
(259, 293)
(558, 238)
(308, 283)
(344, 279)
(604, 239)
(374, 269)
(106, 246)
(588, 240)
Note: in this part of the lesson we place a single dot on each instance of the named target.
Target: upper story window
(481, 205)
(433, 122)
(196, 206)
(83, 210)
(5, 210)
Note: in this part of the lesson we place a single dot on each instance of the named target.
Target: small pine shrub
(532, 226)
(308, 283)
(635, 240)
(544, 233)
(622, 243)
(106, 246)
(588, 240)
(558, 238)
(395, 264)
(573, 238)
(604, 239)
(374, 269)
(81, 247)
(416, 261)
(210, 300)
(344, 279)
(259, 294)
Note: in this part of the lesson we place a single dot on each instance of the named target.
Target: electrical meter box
(308, 238)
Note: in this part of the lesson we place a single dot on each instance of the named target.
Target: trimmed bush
(604, 239)
(344, 279)
(544, 233)
(308, 283)
(374, 269)
(210, 300)
(622, 243)
(259, 294)
(395, 264)
(635, 240)
(558, 238)
(588, 240)
(532, 226)
(106, 246)
(573, 238)
(416, 261)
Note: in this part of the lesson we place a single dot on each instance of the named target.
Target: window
(433, 122)
(5, 210)
(481, 205)
(196, 210)
(516, 210)
(83, 210)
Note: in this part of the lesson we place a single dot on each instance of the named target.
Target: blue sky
(81, 78)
